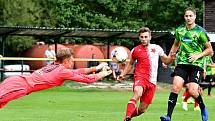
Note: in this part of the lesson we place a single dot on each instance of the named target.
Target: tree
(25, 13)
(98, 14)
(170, 13)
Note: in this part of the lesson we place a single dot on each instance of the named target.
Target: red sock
(196, 104)
(136, 113)
(130, 107)
(186, 96)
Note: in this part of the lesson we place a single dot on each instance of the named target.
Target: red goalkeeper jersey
(54, 75)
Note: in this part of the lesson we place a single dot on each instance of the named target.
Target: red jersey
(147, 62)
(54, 75)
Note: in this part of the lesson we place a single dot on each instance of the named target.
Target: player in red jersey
(187, 98)
(49, 76)
(145, 75)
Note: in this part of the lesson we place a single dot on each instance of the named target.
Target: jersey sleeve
(160, 50)
(80, 71)
(177, 35)
(77, 76)
(133, 54)
(204, 37)
(46, 53)
(53, 52)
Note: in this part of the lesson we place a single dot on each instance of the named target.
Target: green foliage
(170, 13)
(25, 13)
(16, 44)
(102, 14)
(99, 14)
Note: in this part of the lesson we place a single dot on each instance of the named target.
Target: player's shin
(200, 102)
(171, 103)
(130, 107)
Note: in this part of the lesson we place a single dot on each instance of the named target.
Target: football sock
(209, 90)
(200, 101)
(136, 113)
(171, 103)
(196, 104)
(186, 96)
(130, 107)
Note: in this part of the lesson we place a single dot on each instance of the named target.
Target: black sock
(171, 103)
(200, 102)
(209, 90)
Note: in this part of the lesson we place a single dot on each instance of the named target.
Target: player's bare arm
(167, 59)
(174, 48)
(208, 50)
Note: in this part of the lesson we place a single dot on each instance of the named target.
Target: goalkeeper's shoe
(127, 119)
(204, 113)
(165, 118)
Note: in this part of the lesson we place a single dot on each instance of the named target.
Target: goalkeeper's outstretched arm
(126, 70)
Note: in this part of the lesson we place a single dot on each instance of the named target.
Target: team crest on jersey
(193, 35)
(153, 50)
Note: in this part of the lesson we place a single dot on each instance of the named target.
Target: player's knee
(175, 89)
(137, 93)
(193, 91)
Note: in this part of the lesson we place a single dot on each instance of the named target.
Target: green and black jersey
(207, 61)
(191, 42)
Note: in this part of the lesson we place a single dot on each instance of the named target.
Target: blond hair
(63, 54)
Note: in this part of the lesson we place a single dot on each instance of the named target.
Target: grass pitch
(65, 104)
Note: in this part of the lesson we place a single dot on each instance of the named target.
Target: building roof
(74, 32)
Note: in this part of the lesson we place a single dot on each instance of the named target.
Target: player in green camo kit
(192, 44)
(208, 75)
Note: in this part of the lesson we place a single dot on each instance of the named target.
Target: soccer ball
(119, 55)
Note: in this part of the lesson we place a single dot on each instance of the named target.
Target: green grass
(64, 104)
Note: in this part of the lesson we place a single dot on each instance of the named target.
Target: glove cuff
(93, 69)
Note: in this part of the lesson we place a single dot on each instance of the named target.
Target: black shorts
(189, 73)
(208, 78)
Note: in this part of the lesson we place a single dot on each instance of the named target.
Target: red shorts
(148, 91)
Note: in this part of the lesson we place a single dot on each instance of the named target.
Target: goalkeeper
(49, 76)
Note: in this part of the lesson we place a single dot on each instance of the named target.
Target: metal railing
(22, 59)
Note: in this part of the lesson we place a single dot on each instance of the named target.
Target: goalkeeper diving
(50, 76)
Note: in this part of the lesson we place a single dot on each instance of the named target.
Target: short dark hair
(190, 9)
(144, 29)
